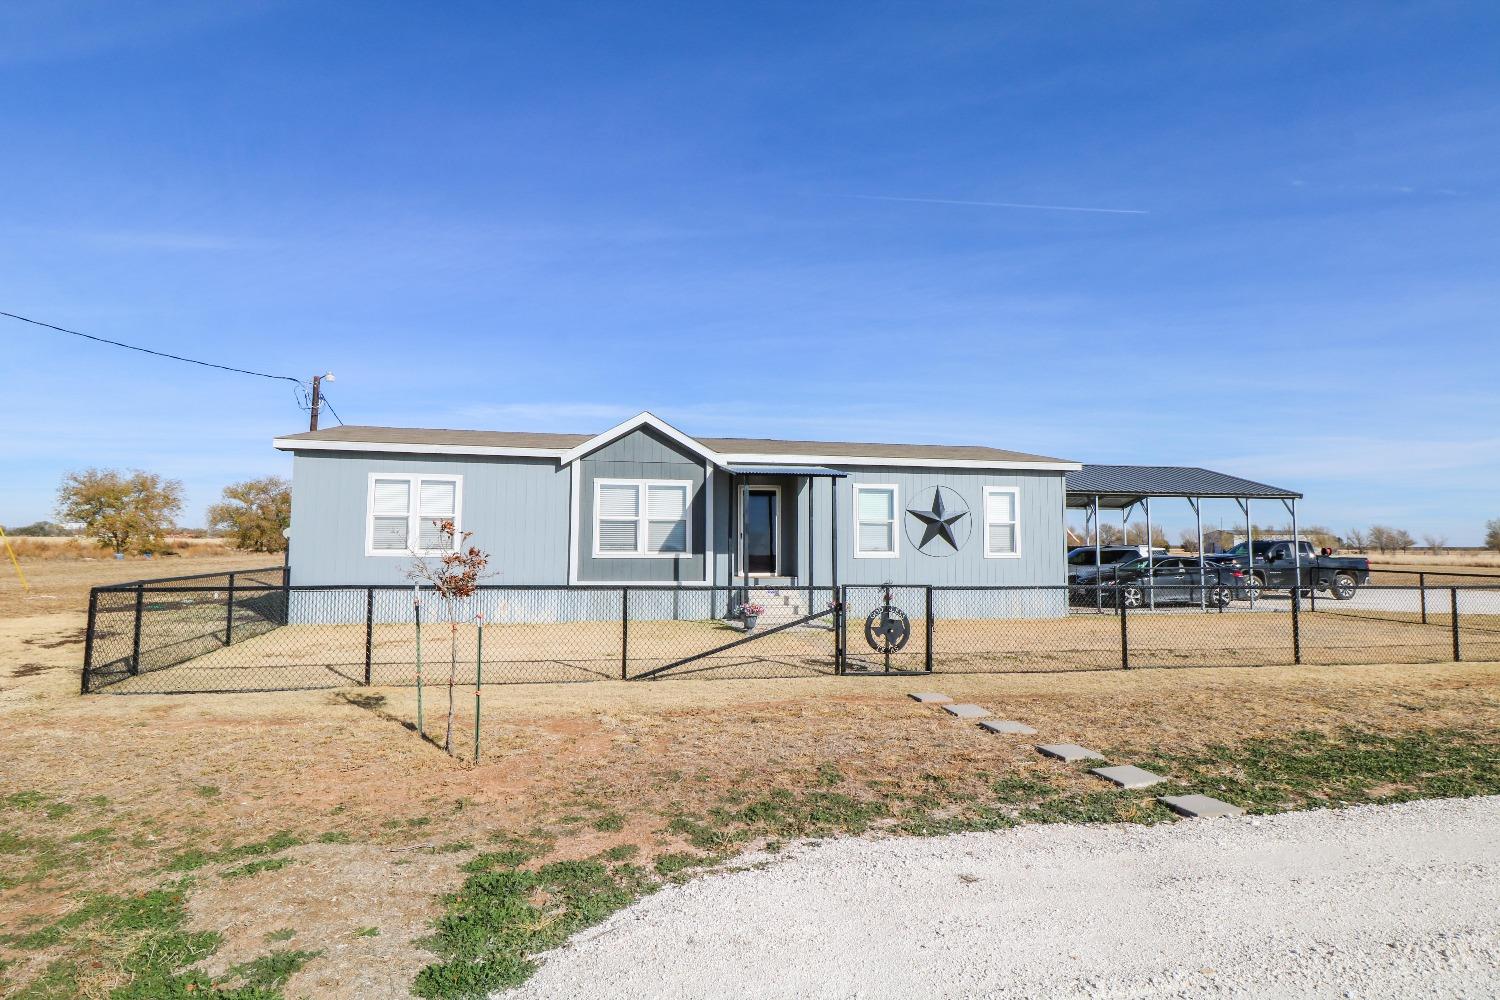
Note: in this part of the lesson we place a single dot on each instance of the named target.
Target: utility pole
(317, 399)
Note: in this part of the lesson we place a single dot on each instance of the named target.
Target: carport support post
(1453, 614)
(1150, 555)
(1291, 506)
(229, 614)
(1202, 572)
(135, 642)
(369, 632)
(1098, 559)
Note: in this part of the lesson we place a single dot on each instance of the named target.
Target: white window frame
(1014, 522)
(895, 490)
(414, 482)
(643, 520)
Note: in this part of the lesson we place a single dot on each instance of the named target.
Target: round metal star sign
(938, 523)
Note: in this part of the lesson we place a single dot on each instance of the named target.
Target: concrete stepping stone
(1128, 776)
(1198, 806)
(999, 726)
(966, 711)
(929, 698)
(1068, 752)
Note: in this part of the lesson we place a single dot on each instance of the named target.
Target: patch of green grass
(610, 822)
(335, 837)
(621, 852)
(364, 932)
(675, 863)
(269, 972)
(829, 774)
(285, 934)
(23, 800)
(195, 858)
(98, 835)
(57, 810)
(207, 791)
(1347, 767)
(256, 867)
(494, 922)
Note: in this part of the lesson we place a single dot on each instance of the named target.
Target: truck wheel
(1344, 586)
(1255, 584)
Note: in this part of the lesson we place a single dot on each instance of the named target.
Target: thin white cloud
(1003, 204)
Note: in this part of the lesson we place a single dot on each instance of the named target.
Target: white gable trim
(642, 419)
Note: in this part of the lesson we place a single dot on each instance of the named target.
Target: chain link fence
(249, 631)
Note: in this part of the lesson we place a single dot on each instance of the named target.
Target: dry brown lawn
(63, 584)
(590, 766)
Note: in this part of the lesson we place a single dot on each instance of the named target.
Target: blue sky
(770, 220)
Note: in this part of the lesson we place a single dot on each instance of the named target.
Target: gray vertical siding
(642, 454)
(517, 509)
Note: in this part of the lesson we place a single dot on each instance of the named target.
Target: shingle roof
(458, 439)
(1126, 481)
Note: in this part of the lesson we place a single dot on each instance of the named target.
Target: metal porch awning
(811, 471)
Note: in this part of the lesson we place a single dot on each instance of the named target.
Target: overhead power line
(147, 350)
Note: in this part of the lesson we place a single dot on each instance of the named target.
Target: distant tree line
(132, 512)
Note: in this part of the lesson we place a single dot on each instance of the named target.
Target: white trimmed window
(875, 534)
(404, 513)
(635, 518)
(1002, 522)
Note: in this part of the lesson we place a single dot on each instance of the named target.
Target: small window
(405, 514)
(1002, 527)
(641, 517)
(875, 508)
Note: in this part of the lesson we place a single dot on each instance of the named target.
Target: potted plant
(749, 613)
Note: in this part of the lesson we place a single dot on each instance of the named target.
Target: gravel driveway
(1388, 901)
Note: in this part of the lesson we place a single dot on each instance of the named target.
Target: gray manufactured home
(645, 505)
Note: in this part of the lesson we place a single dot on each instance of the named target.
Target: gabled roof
(1128, 483)
(720, 451)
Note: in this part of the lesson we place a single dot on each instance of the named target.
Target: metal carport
(1123, 487)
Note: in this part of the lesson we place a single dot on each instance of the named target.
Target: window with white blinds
(1002, 522)
(405, 514)
(641, 517)
(875, 521)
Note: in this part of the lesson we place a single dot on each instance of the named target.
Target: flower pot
(750, 621)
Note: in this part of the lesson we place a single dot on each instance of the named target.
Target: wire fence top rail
(156, 582)
(244, 636)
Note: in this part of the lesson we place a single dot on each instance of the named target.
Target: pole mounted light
(317, 398)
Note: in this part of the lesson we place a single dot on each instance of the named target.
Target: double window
(875, 521)
(1002, 526)
(642, 518)
(404, 514)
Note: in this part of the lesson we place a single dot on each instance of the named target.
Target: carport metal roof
(1120, 486)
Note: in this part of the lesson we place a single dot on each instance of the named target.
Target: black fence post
(369, 634)
(229, 614)
(1297, 625)
(1422, 583)
(135, 642)
(88, 640)
(1453, 613)
(624, 632)
(1124, 632)
(929, 629)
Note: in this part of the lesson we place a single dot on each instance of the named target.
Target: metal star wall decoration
(939, 523)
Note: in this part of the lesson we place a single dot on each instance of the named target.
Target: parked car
(1163, 581)
(1275, 567)
(1081, 561)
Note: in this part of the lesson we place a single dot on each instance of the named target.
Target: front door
(761, 530)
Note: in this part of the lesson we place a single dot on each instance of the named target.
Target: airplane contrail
(1003, 204)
